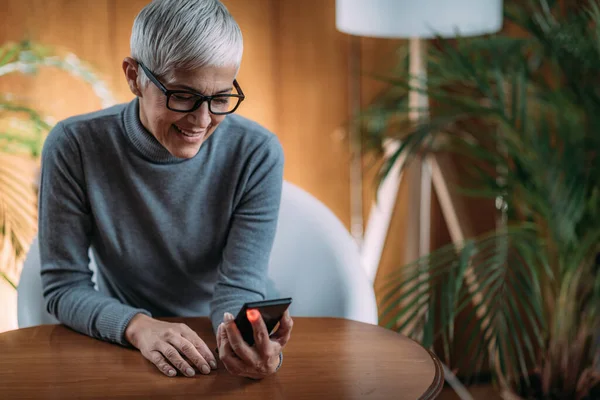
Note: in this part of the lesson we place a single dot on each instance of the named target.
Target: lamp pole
(356, 187)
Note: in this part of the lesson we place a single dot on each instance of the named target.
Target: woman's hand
(259, 360)
(166, 344)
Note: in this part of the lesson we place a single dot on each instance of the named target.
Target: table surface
(325, 358)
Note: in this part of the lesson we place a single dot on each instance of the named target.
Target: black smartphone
(271, 312)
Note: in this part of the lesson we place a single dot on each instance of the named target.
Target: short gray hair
(185, 34)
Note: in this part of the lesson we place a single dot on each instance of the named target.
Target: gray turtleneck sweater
(170, 237)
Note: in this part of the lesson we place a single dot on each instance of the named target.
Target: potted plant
(523, 115)
(22, 133)
(22, 130)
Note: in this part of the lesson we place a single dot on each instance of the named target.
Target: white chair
(314, 260)
(31, 310)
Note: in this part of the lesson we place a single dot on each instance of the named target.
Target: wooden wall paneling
(63, 25)
(258, 74)
(312, 106)
(122, 14)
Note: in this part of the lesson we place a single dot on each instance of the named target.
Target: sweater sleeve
(65, 227)
(242, 273)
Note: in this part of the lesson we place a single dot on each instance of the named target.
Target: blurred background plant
(522, 116)
(22, 133)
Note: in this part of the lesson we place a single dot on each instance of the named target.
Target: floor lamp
(416, 20)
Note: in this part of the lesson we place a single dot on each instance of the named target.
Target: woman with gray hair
(177, 197)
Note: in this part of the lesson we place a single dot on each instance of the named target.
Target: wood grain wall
(294, 72)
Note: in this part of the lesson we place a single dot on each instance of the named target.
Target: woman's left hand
(259, 360)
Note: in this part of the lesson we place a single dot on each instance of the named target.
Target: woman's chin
(185, 152)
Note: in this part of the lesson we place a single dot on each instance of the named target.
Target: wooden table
(327, 358)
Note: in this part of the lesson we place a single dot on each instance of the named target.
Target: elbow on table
(58, 285)
(51, 293)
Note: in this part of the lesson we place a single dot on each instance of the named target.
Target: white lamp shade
(418, 18)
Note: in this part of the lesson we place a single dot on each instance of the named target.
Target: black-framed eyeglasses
(189, 101)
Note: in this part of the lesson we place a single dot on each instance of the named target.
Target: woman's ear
(130, 68)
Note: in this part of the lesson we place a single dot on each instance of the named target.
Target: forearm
(82, 308)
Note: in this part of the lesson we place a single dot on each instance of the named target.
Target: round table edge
(437, 384)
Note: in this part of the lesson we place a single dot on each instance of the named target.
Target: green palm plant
(22, 133)
(522, 113)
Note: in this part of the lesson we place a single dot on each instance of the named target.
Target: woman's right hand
(166, 344)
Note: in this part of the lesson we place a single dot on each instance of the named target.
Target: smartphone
(271, 312)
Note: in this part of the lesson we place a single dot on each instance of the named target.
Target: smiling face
(182, 134)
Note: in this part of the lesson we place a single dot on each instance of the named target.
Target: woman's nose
(201, 116)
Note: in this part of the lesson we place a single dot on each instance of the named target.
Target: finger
(232, 363)
(223, 341)
(222, 336)
(189, 350)
(201, 347)
(282, 336)
(156, 358)
(173, 356)
(261, 335)
(238, 344)
(219, 335)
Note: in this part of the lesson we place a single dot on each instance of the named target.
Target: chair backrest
(314, 260)
(30, 302)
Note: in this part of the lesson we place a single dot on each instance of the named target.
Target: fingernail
(205, 370)
(171, 372)
(252, 315)
(228, 317)
(213, 365)
(190, 372)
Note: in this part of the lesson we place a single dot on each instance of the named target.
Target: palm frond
(18, 212)
(498, 262)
